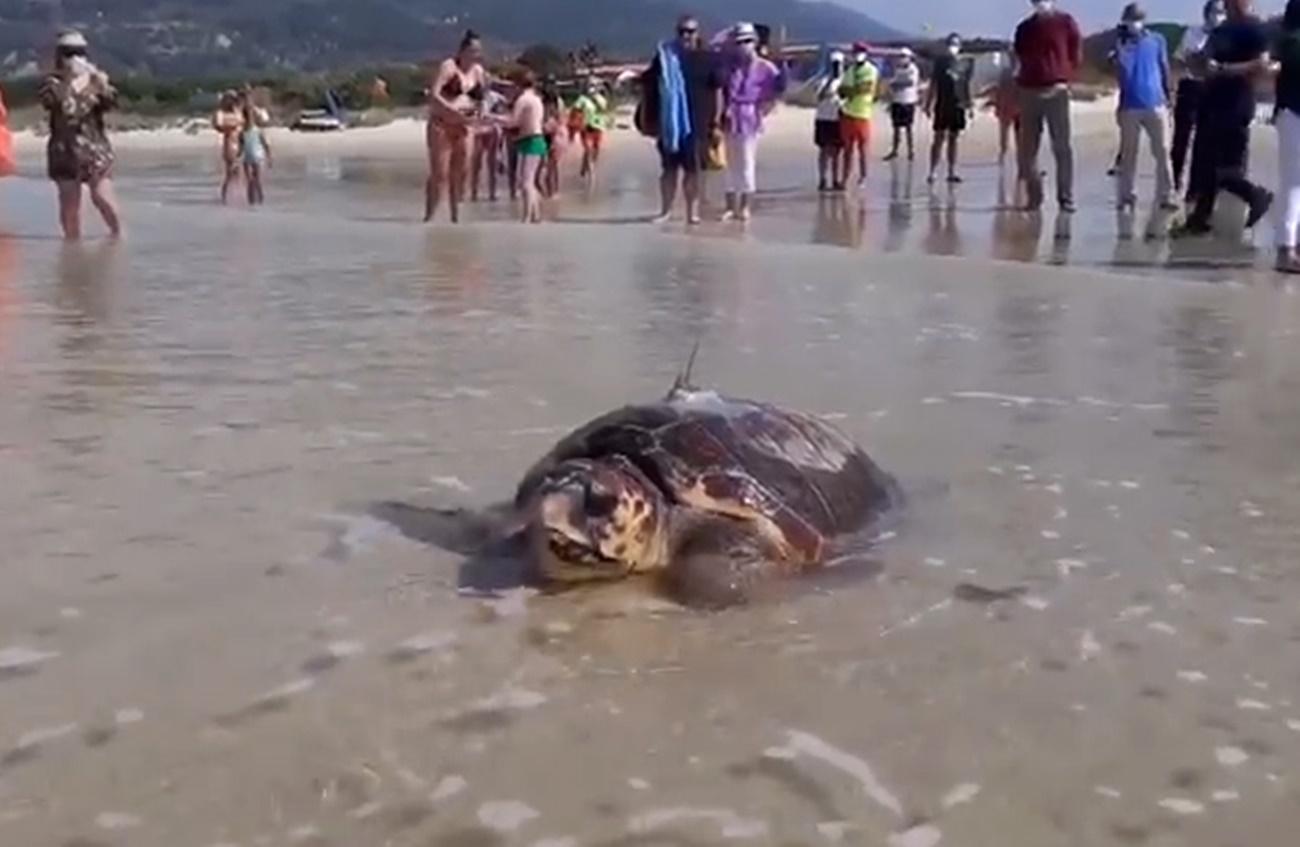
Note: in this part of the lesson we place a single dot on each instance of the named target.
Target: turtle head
(597, 520)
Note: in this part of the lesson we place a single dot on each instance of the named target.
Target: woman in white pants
(1288, 138)
(753, 86)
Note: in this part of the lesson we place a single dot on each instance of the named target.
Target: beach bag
(646, 117)
(715, 155)
(8, 164)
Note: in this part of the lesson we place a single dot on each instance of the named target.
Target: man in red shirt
(1048, 51)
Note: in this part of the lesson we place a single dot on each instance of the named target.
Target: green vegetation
(153, 96)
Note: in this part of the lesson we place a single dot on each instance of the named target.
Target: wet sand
(1079, 634)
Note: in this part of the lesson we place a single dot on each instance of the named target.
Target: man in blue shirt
(1141, 62)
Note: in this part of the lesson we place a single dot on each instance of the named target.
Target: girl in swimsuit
(229, 122)
(487, 146)
(553, 132)
(459, 89)
(255, 152)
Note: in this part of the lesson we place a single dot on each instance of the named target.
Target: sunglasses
(686, 30)
(70, 52)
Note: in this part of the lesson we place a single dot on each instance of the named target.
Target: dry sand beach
(1079, 634)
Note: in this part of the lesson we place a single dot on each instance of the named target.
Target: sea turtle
(710, 494)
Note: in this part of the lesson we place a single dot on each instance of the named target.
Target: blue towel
(674, 103)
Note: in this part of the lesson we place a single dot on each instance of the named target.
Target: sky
(999, 17)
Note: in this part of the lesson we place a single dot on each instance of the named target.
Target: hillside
(194, 37)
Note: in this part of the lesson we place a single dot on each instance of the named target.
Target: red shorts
(854, 131)
(593, 138)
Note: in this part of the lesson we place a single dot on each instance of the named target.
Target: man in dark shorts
(684, 154)
(949, 104)
(1237, 55)
(826, 128)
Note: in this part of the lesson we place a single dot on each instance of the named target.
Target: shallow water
(204, 640)
(897, 212)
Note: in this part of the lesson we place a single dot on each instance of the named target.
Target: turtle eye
(600, 503)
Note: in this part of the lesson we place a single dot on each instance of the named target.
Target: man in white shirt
(904, 93)
(1190, 63)
(826, 132)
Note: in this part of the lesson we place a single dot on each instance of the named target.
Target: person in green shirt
(858, 89)
(595, 119)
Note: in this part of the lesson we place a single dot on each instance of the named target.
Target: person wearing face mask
(949, 104)
(904, 93)
(859, 92)
(76, 97)
(1236, 56)
(752, 88)
(826, 129)
(1190, 62)
(1049, 51)
(1141, 64)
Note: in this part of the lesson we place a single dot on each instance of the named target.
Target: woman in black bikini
(455, 101)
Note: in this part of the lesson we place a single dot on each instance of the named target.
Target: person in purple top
(753, 85)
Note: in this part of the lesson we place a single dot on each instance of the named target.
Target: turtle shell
(800, 479)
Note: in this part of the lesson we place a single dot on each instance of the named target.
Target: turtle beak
(565, 549)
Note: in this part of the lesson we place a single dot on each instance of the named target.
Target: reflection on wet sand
(9, 260)
(902, 181)
(87, 276)
(943, 237)
(1016, 235)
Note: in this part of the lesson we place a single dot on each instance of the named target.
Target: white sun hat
(72, 39)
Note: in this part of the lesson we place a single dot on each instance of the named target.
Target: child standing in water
(528, 120)
(1006, 105)
(595, 117)
(254, 152)
(553, 133)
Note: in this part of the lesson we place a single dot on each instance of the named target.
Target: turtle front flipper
(738, 495)
(719, 561)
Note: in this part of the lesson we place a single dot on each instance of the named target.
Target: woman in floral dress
(76, 96)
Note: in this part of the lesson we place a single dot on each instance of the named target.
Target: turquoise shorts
(532, 145)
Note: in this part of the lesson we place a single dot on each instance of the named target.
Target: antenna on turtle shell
(683, 381)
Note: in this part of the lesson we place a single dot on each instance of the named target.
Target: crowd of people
(474, 130)
(705, 103)
(1218, 67)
